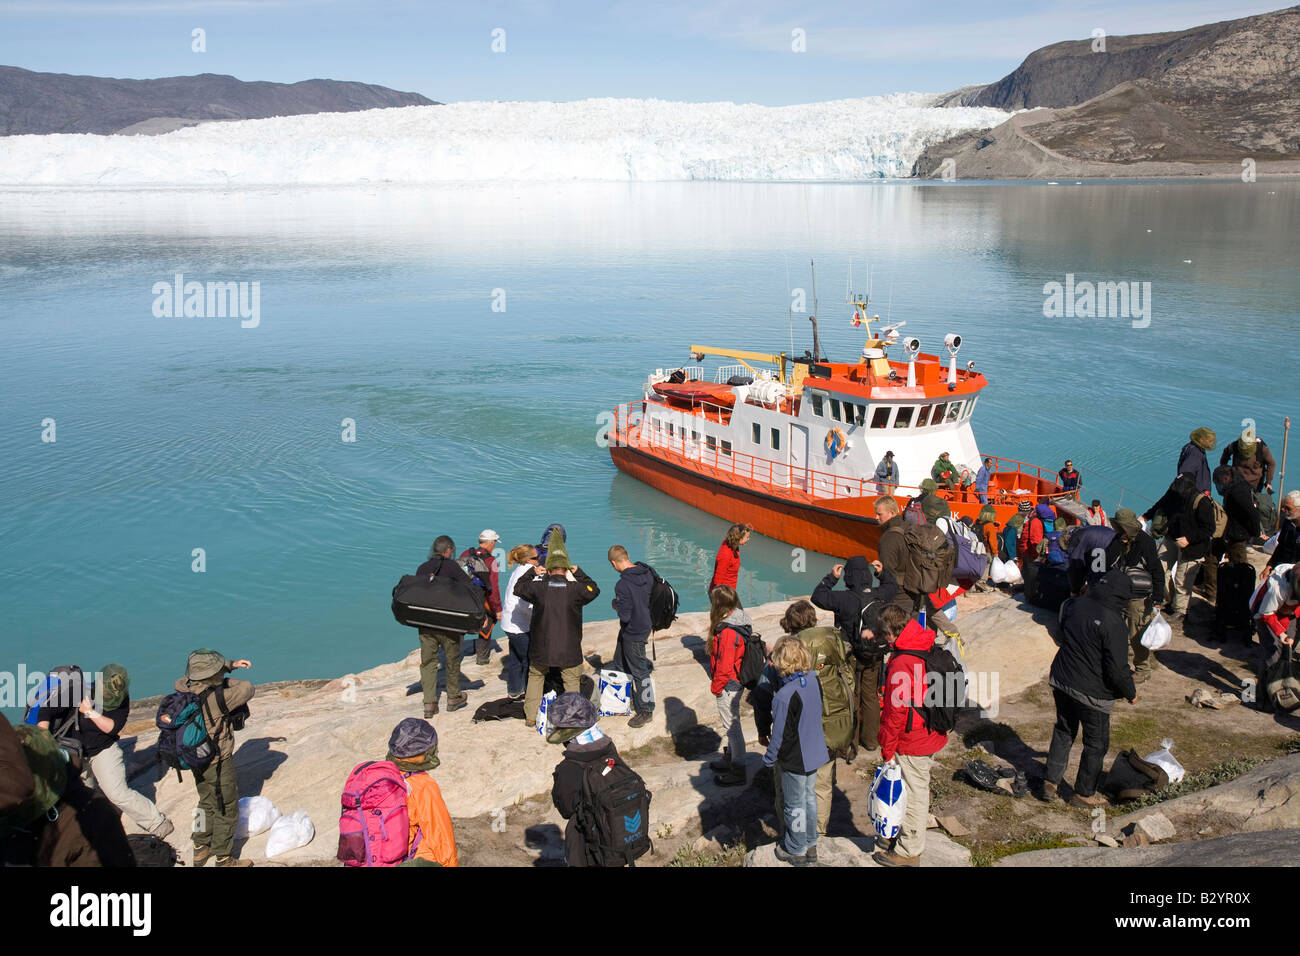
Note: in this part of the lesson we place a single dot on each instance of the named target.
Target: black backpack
(945, 690)
(149, 850)
(663, 602)
(476, 567)
(754, 659)
(869, 652)
(614, 815)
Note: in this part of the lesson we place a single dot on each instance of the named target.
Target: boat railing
(753, 471)
(693, 373)
(725, 372)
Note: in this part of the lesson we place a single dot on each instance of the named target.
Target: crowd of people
(820, 693)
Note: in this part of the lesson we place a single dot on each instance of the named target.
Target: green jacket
(942, 467)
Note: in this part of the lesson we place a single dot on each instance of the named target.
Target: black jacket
(566, 791)
(1192, 461)
(1243, 515)
(1140, 553)
(555, 638)
(1195, 522)
(1288, 545)
(632, 600)
(1093, 656)
(848, 604)
(440, 567)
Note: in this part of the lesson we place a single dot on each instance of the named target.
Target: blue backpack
(183, 739)
(1053, 554)
(60, 691)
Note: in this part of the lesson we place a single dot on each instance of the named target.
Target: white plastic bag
(255, 815)
(998, 572)
(1166, 761)
(1012, 570)
(289, 833)
(1158, 633)
(888, 801)
(1270, 545)
(542, 710)
(615, 693)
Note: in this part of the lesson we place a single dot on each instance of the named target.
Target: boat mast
(817, 349)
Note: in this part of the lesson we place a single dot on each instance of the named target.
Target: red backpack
(375, 825)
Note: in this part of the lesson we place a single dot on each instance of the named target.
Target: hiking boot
(201, 854)
(790, 858)
(811, 856)
(1141, 675)
(531, 724)
(233, 861)
(430, 710)
(641, 719)
(890, 858)
(735, 777)
(457, 703)
(163, 830)
(482, 658)
(1047, 792)
(724, 764)
(1087, 803)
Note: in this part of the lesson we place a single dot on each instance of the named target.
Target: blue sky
(697, 51)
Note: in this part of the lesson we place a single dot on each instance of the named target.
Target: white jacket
(516, 613)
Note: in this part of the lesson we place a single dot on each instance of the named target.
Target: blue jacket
(982, 480)
(632, 598)
(798, 741)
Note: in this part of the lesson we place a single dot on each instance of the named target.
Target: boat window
(904, 419)
(923, 417)
(695, 436)
(862, 414)
(711, 441)
(880, 417)
(954, 411)
(835, 409)
(817, 404)
(970, 406)
(726, 447)
(670, 430)
(776, 439)
(937, 417)
(758, 433)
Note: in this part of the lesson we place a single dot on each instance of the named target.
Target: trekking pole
(1281, 481)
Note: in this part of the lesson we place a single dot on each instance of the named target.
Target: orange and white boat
(790, 445)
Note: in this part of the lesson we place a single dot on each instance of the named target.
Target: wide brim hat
(569, 715)
(116, 685)
(1126, 520)
(204, 664)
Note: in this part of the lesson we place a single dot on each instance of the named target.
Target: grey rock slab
(856, 851)
(1273, 848)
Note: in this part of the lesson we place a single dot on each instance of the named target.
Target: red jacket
(904, 685)
(726, 567)
(724, 663)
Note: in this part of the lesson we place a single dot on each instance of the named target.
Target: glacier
(597, 140)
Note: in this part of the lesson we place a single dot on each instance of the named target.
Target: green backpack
(835, 678)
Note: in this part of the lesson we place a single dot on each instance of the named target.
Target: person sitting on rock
(572, 718)
(413, 747)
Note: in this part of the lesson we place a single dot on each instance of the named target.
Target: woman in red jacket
(903, 734)
(726, 565)
(729, 627)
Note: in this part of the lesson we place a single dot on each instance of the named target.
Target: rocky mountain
(60, 103)
(1214, 94)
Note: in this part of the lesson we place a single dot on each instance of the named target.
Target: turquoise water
(376, 305)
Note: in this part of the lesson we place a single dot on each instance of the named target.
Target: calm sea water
(377, 305)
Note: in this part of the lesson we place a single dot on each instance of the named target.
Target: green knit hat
(1204, 437)
(929, 485)
(116, 685)
(557, 556)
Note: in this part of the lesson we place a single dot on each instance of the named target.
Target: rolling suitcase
(1232, 604)
(441, 604)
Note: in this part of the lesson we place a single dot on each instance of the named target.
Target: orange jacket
(429, 815)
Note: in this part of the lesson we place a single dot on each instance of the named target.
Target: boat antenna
(817, 351)
(789, 301)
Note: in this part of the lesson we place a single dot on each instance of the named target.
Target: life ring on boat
(835, 442)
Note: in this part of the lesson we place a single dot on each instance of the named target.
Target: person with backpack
(892, 550)
(944, 472)
(516, 620)
(729, 630)
(1009, 537)
(1273, 608)
(857, 610)
(1070, 479)
(1192, 460)
(797, 749)
(558, 593)
(1191, 529)
(1250, 458)
(413, 749)
(482, 567)
(905, 735)
(987, 529)
(222, 703)
(835, 682)
(1135, 551)
(48, 816)
(1089, 673)
(632, 604)
(1242, 527)
(604, 801)
(726, 563)
(887, 475)
(452, 644)
(99, 736)
(1287, 550)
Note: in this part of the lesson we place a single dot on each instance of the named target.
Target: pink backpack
(374, 825)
